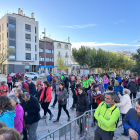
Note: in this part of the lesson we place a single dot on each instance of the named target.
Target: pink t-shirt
(106, 80)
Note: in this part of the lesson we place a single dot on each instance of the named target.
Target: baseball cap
(18, 84)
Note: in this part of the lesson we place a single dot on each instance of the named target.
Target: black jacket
(38, 93)
(73, 86)
(133, 87)
(32, 89)
(32, 108)
(82, 103)
(15, 79)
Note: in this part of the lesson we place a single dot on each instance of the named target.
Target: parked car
(32, 75)
(22, 74)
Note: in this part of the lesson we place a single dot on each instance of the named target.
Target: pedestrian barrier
(77, 129)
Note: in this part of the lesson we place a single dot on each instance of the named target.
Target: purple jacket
(18, 120)
(101, 88)
(125, 82)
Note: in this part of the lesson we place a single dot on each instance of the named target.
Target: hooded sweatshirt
(8, 118)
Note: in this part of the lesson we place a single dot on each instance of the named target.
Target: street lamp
(44, 52)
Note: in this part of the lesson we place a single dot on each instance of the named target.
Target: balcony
(66, 56)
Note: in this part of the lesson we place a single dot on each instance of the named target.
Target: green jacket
(62, 77)
(85, 83)
(90, 80)
(105, 113)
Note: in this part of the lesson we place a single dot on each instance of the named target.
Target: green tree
(4, 55)
(61, 64)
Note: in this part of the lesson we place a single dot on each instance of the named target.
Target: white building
(20, 32)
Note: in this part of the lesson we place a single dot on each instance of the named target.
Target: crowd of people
(110, 96)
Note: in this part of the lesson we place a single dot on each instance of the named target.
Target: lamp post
(44, 52)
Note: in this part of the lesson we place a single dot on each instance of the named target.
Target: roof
(48, 39)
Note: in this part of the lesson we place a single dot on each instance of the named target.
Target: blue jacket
(49, 78)
(23, 90)
(8, 118)
(132, 121)
(118, 88)
(120, 79)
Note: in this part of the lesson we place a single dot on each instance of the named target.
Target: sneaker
(56, 121)
(68, 119)
(52, 106)
(51, 116)
(44, 117)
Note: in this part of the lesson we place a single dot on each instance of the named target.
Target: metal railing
(77, 129)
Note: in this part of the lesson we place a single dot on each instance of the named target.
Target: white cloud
(107, 46)
(78, 26)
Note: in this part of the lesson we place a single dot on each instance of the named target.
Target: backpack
(111, 114)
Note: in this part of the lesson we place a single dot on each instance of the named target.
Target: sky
(112, 25)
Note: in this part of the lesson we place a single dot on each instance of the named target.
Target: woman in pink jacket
(18, 120)
(3, 88)
(106, 81)
(39, 82)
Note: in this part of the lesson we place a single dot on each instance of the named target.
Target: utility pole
(44, 52)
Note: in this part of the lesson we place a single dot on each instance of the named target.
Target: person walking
(19, 85)
(62, 101)
(99, 79)
(107, 115)
(66, 83)
(125, 82)
(9, 82)
(32, 88)
(31, 109)
(56, 90)
(106, 82)
(24, 85)
(133, 87)
(15, 79)
(7, 111)
(38, 92)
(3, 88)
(113, 79)
(82, 107)
(18, 120)
(131, 121)
(85, 82)
(118, 88)
(45, 99)
(101, 87)
(120, 79)
(124, 105)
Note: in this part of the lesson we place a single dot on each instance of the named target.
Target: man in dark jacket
(133, 87)
(31, 114)
(32, 88)
(131, 121)
(73, 81)
(24, 85)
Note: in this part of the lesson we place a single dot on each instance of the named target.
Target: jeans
(32, 130)
(55, 100)
(125, 130)
(134, 95)
(45, 107)
(105, 87)
(59, 110)
(10, 86)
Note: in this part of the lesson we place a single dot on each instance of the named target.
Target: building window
(41, 59)
(28, 56)
(12, 57)
(12, 47)
(49, 59)
(35, 29)
(27, 37)
(2, 36)
(0, 47)
(7, 34)
(52, 59)
(52, 51)
(12, 25)
(35, 38)
(49, 51)
(27, 28)
(28, 47)
(66, 46)
(2, 27)
(36, 48)
(41, 50)
(58, 45)
(35, 56)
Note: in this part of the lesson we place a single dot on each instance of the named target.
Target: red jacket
(98, 99)
(5, 87)
(48, 94)
(25, 86)
(9, 79)
(39, 82)
(138, 80)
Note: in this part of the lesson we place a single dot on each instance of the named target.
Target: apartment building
(19, 32)
(125, 53)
